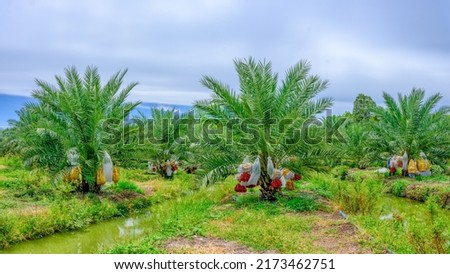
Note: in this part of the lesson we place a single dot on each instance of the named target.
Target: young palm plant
(78, 114)
(413, 124)
(267, 117)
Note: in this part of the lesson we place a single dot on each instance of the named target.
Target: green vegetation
(363, 107)
(31, 206)
(355, 151)
(412, 125)
(290, 224)
(361, 195)
(415, 229)
(125, 185)
(400, 225)
(399, 187)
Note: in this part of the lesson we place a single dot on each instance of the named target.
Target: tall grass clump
(398, 188)
(360, 197)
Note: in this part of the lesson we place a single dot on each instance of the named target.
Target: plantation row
(88, 160)
(64, 132)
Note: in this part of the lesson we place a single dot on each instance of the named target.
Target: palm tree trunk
(267, 191)
(83, 187)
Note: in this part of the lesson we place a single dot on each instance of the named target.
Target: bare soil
(336, 235)
(207, 245)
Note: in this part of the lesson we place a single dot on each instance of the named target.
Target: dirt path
(147, 187)
(207, 245)
(3, 167)
(331, 234)
(336, 235)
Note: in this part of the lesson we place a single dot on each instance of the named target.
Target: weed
(340, 172)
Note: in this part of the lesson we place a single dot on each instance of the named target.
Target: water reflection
(90, 240)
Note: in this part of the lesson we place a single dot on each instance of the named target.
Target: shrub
(340, 172)
(363, 175)
(358, 197)
(398, 188)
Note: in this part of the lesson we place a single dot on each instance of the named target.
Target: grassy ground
(32, 206)
(300, 222)
(397, 224)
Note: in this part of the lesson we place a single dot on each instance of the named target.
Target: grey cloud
(358, 46)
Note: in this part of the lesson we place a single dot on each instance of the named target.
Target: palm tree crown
(72, 116)
(266, 104)
(413, 124)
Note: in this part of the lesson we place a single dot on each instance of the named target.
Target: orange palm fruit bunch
(116, 175)
(101, 180)
(75, 173)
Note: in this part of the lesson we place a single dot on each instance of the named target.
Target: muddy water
(86, 241)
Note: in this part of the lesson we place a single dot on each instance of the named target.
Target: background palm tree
(356, 152)
(77, 114)
(412, 124)
(167, 139)
(264, 104)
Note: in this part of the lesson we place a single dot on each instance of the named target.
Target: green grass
(357, 196)
(433, 178)
(418, 228)
(127, 185)
(11, 161)
(61, 215)
(398, 188)
(286, 225)
(413, 228)
(138, 175)
(182, 215)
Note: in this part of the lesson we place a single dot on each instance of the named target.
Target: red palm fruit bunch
(173, 166)
(240, 188)
(244, 177)
(276, 183)
(297, 177)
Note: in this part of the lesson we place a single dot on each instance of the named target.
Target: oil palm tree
(77, 114)
(167, 142)
(355, 149)
(272, 112)
(413, 124)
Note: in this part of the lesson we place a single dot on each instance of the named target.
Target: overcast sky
(359, 46)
